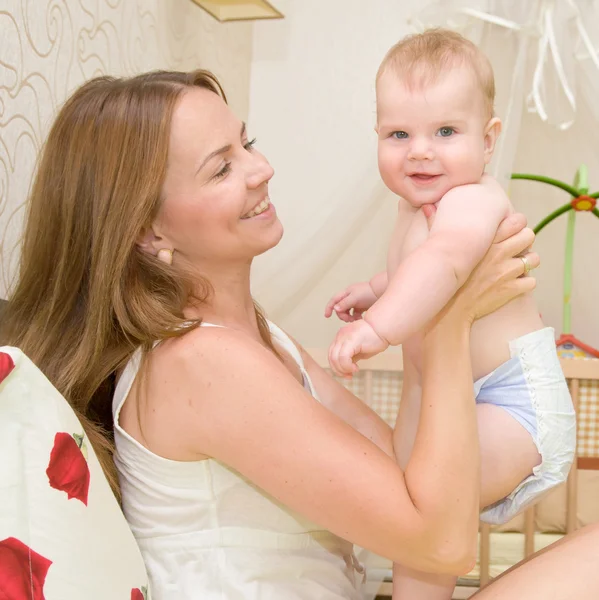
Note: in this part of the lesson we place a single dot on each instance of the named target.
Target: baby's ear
(492, 131)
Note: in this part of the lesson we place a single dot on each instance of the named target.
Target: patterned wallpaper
(49, 47)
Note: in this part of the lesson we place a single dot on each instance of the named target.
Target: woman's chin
(272, 237)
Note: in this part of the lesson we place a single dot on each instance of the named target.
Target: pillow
(63, 535)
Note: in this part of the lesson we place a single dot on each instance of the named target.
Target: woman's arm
(441, 372)
(406, 424)
(347, 406)
(231, 398)
(445, 461)
(256, 418)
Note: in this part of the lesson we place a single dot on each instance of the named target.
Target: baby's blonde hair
(421, 58)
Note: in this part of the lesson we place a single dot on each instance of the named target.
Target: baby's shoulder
(407, 215)
(414, 232)
(487, 192)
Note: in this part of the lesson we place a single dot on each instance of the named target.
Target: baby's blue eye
(446, 131)
(400, 135)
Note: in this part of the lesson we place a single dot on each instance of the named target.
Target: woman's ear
(492, 131)
(151, 242)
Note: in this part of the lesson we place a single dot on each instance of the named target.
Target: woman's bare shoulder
(211, 346)
(208, 361)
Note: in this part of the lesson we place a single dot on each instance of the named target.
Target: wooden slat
(572, 484)
(485, 553)
(529, 532)
(588, 463)
(575, 368)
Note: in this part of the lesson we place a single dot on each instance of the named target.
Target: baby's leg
(527, 434)
(507, 451)
(524, 403)
(508, 456)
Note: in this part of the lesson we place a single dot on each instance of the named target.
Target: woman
(245, 470)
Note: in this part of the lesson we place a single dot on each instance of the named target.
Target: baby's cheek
(469, 165)
(391, 170)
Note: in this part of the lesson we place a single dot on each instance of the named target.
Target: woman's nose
(259, 170)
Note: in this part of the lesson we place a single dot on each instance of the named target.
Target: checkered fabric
(386, 394)
(588, 418)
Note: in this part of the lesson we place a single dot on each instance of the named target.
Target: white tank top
(206, 532)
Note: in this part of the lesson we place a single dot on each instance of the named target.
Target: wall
(49, 47)
(558, 154)
(312, 109)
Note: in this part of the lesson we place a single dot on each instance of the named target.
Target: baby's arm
(350, 303)
(378, 283)
(465, 224)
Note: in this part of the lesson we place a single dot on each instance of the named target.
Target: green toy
(568, 345)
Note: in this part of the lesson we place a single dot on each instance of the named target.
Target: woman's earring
(165, 255)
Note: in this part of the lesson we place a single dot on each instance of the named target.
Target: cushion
(63, 535)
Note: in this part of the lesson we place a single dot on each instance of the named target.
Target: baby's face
(431, 138)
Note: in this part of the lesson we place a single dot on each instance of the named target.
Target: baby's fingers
(429, 211)
(345, 304)
(328, 311)
(356, 315)
(334, 358)
(345, 359)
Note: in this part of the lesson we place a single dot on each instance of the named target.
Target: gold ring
(527, 267)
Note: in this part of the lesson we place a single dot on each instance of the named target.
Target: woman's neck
(230, 302)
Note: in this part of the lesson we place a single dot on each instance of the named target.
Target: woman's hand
(500, 276)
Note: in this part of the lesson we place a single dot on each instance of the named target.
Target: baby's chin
(419, 197)
(420, 200)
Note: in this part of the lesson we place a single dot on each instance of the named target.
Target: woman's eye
(249, 145)
(446, 131)
(226, 168)
(400, 135)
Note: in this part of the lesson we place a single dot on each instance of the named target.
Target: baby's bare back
(490, 335)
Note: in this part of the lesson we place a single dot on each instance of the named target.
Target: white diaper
(532, 388)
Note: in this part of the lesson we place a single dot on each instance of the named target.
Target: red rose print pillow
(62, 533)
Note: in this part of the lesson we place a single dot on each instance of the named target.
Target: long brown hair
(86, 295)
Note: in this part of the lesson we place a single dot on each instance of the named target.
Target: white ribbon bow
(550, 53)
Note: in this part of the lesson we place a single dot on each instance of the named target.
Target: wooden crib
(379, 385)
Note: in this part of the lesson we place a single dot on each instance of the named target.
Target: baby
(436, 132)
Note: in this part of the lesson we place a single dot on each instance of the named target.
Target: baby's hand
(351, 302)
(352, 343)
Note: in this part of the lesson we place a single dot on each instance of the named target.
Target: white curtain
(544, 54)
(337, 213)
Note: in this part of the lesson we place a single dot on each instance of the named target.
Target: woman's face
(216, 210)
